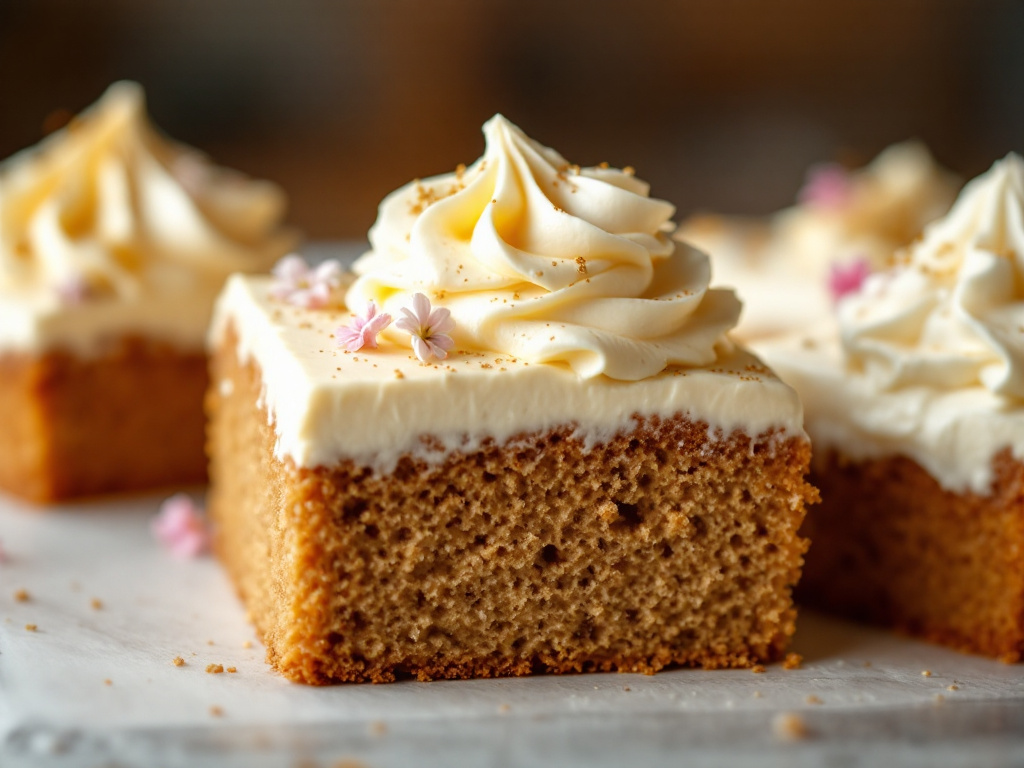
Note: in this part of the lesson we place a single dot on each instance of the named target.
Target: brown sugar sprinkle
(232, 670)
(792, 661)
(178, 661)
(214, 669)
(31, 627)
(96, 604)
(812, 699)
(758, 669)
(216, 711)
(789, 726)
(22, 596)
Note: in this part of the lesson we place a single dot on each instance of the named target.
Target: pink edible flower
(844, 279)
(429, 329)
(297, 283)
(180, 527)
(827, 186)
(74, 290)
(363, 330)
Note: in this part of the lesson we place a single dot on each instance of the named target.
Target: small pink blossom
(310, 287)
(429, 329)
(363, 330)
(827, 186)
(74, 290)
(180, 527)
(844, 279)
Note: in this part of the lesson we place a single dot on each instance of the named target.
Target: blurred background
(720, 104)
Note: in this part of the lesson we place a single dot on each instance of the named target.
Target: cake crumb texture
(128, 419)
(661, 547)
(908, 554)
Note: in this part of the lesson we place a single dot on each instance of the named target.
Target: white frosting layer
(928, 360)
(548, 262)
(780, 266)
(107, 229)
(374, 407)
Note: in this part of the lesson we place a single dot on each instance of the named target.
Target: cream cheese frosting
(107, 228)
(549, 262)
(573, 309)
(927, 360)
(376, 406)
(781, 265)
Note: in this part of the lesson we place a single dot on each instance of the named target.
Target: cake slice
(553, 460)
(915, 404)
(114, 243)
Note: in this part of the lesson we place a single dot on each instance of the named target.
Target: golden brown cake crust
(661, 547)
(934, 564)
(129, 419)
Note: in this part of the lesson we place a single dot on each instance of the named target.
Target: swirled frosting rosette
(547, 262)
(952, 314)
(109, 207)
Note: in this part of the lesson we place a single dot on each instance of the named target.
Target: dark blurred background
(720, 104)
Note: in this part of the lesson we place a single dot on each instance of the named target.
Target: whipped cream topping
(780, 266)
(547, 262)
(108, 228)
(927, 360)
(377, 405)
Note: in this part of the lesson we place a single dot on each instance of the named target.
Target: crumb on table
(792, 661)
(214, 669)
(232, 670)
(926, 673)
(952, 687)
(216, 711)
(22, 596)
(789, 726)
(96, 604)
(812, 699)
(178, 661)
(31, 627)
(758, 669)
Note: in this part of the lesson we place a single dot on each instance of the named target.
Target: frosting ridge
(547, 262)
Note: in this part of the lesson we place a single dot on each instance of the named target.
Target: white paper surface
(56, 708)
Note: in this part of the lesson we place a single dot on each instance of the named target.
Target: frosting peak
(547, 262)
(108, 207)
(952, 314)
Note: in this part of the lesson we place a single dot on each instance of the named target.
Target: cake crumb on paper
(789, 726)
(952, 687)
(216, 711)
(214, 669)
(22, 596)
(377, 728)
(758, 669)
(32, 627)
(503, 708)
(96, 604)
(108, 681)
(247, 644)
(232, 670)
(757, 694)
(812, 699)
(178, 661)
(926, 673)
(792, 661)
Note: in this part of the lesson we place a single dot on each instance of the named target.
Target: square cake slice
(564, 465)
(382, 518)
(114, 243)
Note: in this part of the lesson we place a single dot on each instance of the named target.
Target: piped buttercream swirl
(952, 314)
(547, 262)
(109, 206)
